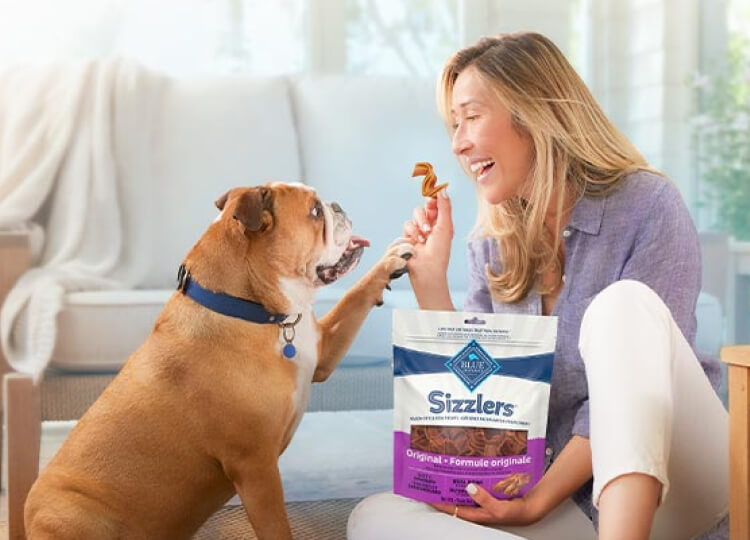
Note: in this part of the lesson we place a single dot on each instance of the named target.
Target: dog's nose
(336, 208)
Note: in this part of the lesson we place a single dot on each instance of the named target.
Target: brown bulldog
(206, 405)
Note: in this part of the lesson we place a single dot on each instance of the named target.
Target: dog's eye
(317, 210)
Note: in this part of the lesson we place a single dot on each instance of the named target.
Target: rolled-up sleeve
(478, 294)
(581, 420)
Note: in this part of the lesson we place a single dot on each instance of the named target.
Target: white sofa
(355, 140)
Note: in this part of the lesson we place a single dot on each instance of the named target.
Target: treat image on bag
(471, 397)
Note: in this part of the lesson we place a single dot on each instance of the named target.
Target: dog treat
(429, 189)
(468, 441)
(471, 397)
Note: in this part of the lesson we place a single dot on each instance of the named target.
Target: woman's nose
(460, 142)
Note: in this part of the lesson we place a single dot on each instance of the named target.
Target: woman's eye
(467, 118)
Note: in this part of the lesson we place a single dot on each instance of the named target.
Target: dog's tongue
(356, 241)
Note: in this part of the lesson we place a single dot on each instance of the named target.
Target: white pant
(652, 411)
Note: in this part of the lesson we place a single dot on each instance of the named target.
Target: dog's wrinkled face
(298, 233)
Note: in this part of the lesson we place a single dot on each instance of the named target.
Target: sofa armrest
(15, 259)
(738, 359)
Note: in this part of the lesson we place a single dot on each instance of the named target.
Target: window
(721, 137)
(400, 38)
(722, 126)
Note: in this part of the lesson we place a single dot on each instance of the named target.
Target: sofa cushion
(360, 138)
(97, 331)
(212, 135)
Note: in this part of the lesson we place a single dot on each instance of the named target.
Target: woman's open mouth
(481, 169)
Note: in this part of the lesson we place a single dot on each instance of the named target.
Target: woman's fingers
(423, 221)
(431, 210)
(476, 515)
(412, 233)
(491, 511)
(488, 504)
(444, 212)
(480, 495)
(419, 217)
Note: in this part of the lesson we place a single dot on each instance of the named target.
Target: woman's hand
(566, 475)
(492, 511)
(431, 232)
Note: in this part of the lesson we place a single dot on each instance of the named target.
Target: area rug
(310, 520)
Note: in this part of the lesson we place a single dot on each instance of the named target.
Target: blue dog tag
(289, 350)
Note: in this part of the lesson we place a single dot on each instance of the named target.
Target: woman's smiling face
(485, 140)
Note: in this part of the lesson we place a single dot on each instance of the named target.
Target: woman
(574, 223)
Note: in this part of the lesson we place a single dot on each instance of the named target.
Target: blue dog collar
(239, 308)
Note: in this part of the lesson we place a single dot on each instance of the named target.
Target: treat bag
(471, 397)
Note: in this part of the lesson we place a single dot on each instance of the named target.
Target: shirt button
(566, 233)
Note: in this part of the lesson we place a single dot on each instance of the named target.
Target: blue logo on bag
(472, 365)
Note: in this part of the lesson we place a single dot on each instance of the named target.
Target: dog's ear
(221, 201)
(255, 209)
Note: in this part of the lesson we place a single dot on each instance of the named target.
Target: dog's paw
(392, 265)
(396, 257)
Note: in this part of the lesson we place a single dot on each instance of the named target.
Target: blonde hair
(576, 151)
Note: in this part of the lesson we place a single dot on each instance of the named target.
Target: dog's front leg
(259, 486)
(340, 325)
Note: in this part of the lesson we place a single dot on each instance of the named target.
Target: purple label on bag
(440, 478)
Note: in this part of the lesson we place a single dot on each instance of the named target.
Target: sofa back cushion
(212, 135)
(360, 138)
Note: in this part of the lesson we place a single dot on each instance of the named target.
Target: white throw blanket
(61, 127)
